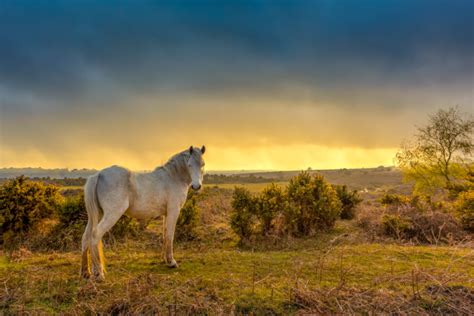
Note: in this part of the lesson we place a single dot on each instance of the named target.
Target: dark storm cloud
(87, 50)
(86, 76)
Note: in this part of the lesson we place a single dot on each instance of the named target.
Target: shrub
(419, 202)
(349, 201)
(270, 203)
(465, 208)
(314, 204)
(23, 204)
(393, 199)
(409, 223)
(188, 218)
(308, 204)
(73, 211)
(242, 217)
(396, 226)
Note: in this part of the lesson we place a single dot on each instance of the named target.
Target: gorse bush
(313, 202)
(349, 201)
(394, 199)
(270, 203)
(242, 217)
(72, 220)
(23, 204)
(464, 206)
(307, 205)
(188, 218)
(419, 202)
(72, 211)
(397, 226)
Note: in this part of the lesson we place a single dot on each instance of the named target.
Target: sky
(263, 84)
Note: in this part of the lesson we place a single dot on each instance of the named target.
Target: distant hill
(366, 178)
(60, 173)
(45, 173)
(354, 178)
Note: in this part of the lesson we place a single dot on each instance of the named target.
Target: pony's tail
(92, 204)
(93, 211)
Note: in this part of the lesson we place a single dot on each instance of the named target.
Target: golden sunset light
(231, 157)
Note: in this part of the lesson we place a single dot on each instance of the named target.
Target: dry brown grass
(433, 300)
(405, 223)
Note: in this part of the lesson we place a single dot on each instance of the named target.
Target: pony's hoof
(173, 264)
(99, 277)
(85, 276)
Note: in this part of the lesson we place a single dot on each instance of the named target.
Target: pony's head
(196, 166)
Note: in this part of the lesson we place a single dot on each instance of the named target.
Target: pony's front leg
(170, 225)
(164, 239)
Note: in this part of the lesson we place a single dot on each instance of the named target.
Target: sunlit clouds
(277, 85)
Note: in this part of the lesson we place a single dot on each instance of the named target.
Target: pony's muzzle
(196, 187)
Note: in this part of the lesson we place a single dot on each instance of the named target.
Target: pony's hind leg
(97, 256)
(85, 262)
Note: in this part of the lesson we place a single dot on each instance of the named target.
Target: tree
(441, 152)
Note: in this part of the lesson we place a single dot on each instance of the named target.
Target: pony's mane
(176, 165)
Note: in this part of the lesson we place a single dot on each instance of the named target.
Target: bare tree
(441, 152)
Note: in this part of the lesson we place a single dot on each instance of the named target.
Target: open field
(238, 158)
(381, 178)
(340, 271)
(344, 270)
(252, 187)
(218, 277)
(365, 178)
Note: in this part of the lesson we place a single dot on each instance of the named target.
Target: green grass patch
(211, 277)
(252, 187)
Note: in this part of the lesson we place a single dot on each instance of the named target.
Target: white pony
(118, 191)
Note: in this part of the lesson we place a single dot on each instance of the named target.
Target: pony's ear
(191, 150)
(203, 149)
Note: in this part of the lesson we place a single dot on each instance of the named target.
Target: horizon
(212, 171)
(265, 86)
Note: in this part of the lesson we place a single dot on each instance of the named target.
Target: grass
(252, 187)
(336, 272)
(224, 277)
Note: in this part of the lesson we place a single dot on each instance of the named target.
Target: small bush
(307, 205)
(349, 201)
(23, 204)
(242, 217)
(407, 223)
(73, 211)
(419, 202)
(465, 208)
(396, 226)
(314, 204)
(464, 185)
(270, 203)
(394, 199)
(188, 218)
